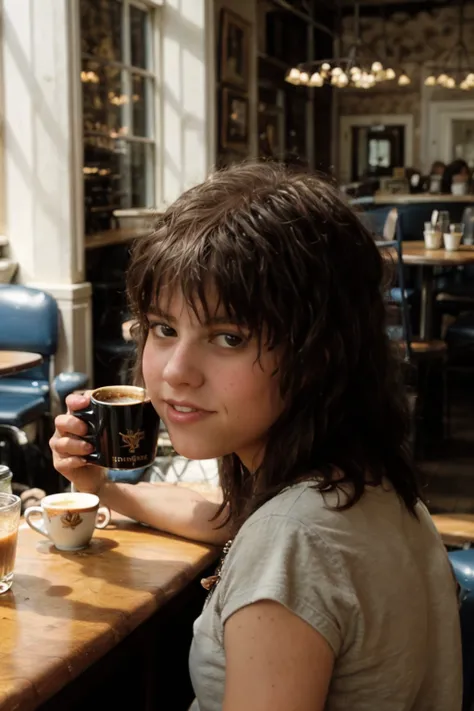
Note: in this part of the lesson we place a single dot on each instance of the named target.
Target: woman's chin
(195, 450)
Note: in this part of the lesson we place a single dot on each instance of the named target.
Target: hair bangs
(215, 274)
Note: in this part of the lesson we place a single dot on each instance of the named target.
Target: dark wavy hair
(450, 171)
(291, 261)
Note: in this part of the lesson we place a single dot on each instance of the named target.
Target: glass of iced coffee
(10, 508)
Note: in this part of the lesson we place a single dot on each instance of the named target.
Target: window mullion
(127, 116)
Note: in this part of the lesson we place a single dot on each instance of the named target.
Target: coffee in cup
(68, 519)
(123, 427)
(10, 509)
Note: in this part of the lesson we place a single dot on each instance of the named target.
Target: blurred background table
(416, 254)
(15, 361)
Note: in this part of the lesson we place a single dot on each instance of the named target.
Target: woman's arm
(167, 507)
(275, 661)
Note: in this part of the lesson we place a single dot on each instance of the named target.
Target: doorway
(376, 150)
(355, 150)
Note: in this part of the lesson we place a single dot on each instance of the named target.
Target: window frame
(151, 87)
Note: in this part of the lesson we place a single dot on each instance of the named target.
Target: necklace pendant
(208, 583)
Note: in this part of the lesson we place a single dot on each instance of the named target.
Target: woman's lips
(184, 413)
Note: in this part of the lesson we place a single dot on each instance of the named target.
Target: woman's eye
(161, 330)
(228, 340)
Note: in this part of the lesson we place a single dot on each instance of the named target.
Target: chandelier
(359, 68)
(457, 71)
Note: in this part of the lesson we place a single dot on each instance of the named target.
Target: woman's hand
(69, 449)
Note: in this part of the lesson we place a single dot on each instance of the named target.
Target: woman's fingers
(68, 424)
(71, 446)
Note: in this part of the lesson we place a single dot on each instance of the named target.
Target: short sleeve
(278, 558)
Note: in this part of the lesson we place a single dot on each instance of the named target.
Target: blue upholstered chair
(463, 566)
(29, 321)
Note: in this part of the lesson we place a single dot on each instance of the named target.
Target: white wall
(188, 103)
(43, 162)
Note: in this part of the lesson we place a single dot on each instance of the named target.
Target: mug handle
(103, 517)
(87, 415)
(39, 525)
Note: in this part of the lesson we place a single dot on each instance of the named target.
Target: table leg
(426, 315)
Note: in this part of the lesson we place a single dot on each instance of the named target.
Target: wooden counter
(388, 199)
(110, 237)
(66, 611)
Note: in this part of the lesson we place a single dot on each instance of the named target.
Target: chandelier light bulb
(293, 76)
(304, 78)
(377, 67)
(470, 79)
(355, 70)
(316, 79)
(337, 71)
(450, 83)
(430, 81)
(464, 85)
(404, 80)
(390, 74)
(343, 80)
(326, 67)
(441, 80)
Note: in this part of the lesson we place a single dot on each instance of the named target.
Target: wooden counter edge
(455, 529)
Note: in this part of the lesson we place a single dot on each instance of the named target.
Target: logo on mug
(71, 520)
(132, 439)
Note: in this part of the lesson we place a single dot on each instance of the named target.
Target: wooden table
(455, 529)
(419, 198)
(415, 254)
(15, 361)
(67, 611)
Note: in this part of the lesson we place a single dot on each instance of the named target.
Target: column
(43, 163)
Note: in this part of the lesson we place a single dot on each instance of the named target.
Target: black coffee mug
(123, 427)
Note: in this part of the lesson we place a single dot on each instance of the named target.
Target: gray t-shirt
(374, 581)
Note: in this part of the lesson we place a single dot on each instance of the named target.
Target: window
(118, 92)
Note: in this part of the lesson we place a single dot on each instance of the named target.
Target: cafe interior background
(111, 108)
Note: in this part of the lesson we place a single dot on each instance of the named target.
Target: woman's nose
(182, 367)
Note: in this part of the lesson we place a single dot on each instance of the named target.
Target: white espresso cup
(452, 241)
(69, 519)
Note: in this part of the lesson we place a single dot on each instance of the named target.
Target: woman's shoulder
(305, 506)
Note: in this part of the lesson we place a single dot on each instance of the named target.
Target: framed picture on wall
(234, 120)
(234, 50)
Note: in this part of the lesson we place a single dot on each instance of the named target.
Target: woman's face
(207, 385)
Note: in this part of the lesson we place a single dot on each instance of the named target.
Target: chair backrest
(29, 322)
(390, 227)
(398, 317)
(462, 562)
(375, 218)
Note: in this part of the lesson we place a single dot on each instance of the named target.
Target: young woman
(262, 342)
